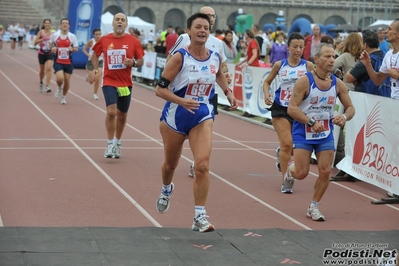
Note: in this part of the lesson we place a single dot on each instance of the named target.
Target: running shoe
(109, 151)
(41, 87)
(163, 201)
(191, 173)
(202, 225)
(48, 89)
(315, 214)
(57, 93)
(288, 181)
(278, 159)
(286, 190)
(117, 151)
(95, 97)
(63, 100)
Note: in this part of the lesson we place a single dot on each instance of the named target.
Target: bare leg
(200, 139)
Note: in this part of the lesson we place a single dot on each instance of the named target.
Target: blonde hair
(353, 44)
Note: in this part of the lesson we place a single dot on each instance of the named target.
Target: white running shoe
(315, 214)
(41, 87)
(48, 89)
(163, 201)
(191, 172)
(57, 93)
(286, 190)
(95, 97)
(288, 181)
(63, 100)
(201, 224)
(117, 151)
(109, 151)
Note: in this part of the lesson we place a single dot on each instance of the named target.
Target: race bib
(199, 89)
(63, 53)
(285, 96)
(323, 118)
(116, 58)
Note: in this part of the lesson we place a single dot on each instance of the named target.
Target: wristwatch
(311, 122)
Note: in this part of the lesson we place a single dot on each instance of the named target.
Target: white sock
(199, 210)
(110, 141)
(166, 189)
(117, 141)
(314, 204)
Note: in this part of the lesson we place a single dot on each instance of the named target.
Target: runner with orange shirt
(121, 52)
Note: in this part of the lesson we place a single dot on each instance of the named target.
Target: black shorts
(13, 39)
(61, 67)
(214, 102)
(280, 111)
(43, 58)
(20, 38)
(111, 97)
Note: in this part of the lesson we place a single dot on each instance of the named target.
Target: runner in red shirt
(121, 52)
(63, 43)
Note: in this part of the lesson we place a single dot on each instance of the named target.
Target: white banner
(247, 86)
(372, 142)
(148, 68)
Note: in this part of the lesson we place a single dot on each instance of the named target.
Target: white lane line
(119, 188)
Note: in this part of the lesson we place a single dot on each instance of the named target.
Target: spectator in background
(253, 50)
(159, 48)
(338, 46)
(390, 65)
(327, 39)
(170, 40)
(273, 36)
(32, 33)
(384, 45)
(279, 49)
(263, 42)
(235, 37)
(230, 50)
(311, 42)
(151, 38)
(358, 75)
(219, 34)
(179, 32)
(162, 35)
(353, 47)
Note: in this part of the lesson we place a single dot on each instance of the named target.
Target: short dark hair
(96, 29)
(66, 20)
(371, 38)
(195, 16)
(295, 36)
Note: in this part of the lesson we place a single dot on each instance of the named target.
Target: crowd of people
(308, 68)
